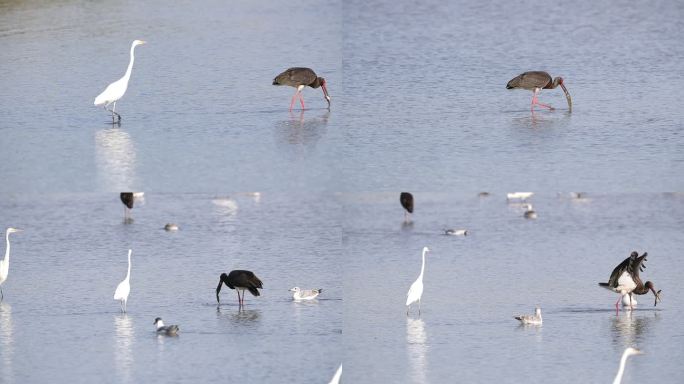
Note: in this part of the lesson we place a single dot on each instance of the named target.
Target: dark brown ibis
(239, 280)
(535, 81)
(625, 279)
(299, 78)
(406, 200)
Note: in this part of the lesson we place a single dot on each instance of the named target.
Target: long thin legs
(118, 117)
(535, 101)
(297, 94)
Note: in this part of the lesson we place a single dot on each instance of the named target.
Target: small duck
(305, 294)
(535, 319)
(171, 227)
(168, 330)
(456, 232)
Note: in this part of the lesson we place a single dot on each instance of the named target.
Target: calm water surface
(504, 267)
(59, 323)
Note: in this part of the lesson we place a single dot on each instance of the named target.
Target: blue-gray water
(474, 285)
(59, 323)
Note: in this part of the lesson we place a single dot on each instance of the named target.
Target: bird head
(632, 351)
(325, 90)
(158, 319)
(139, 42)
(295, 289)
(426, 249)
(13, 230)
(559, 81)
(218, 287)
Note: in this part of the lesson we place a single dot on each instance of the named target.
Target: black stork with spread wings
(625, 279)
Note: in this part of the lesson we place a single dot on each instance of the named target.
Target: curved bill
(567, 96)
(325, 94)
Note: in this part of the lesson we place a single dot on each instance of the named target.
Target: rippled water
(504, 267)
(59, 323)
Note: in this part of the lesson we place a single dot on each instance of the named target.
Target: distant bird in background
(519, 195)
(530, 213)
(535, 319)
(239, 280)
(128, 199)
(124, 287)
(4, 263)
(168, 330)
(415, 292)
(299, 78)
(117, 89)
(171, 227)
(406, 200)
(456, 232)
(625, 279)
(305, 294)
(535, 81)
(623, 360)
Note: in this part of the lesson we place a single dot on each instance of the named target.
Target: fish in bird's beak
(567, 96)
(325, 94)
(657, 296)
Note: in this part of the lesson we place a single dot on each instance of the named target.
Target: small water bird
(336, 378)
(519, 195)
(128, 199)
(169, 227)
(455, 232)
(299, 78)
(124, 287)
(4, 263)
(530, 213)
(415, 292)
(168, 330)
(623, 360)
(535, 81)
(240, 280)
(535, 319)
(406, 200)
(117, 89)
(305, 294)
(625, 279)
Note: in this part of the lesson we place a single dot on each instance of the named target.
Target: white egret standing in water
(117, 89)
(627, 353)
(4, 264)
(124, 287)
(416, 291)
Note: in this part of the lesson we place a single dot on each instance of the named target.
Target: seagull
(535, 319)
(168, 330)
(519, 195)
(456, 232)
(240, 280)
(530, 213)
(625, 279)
(305, 294)
(415, 292)
(623, 360)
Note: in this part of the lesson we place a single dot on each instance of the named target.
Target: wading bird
(535, 81)
(535, 319)
(168, 330)
(128, 199)
(239, 280)
(117, 89)
(305, 294)
(415, 292)
(623, 360)
(406, 200)
(4, 264)
(124, 287)
(625, 279)
(299, 78)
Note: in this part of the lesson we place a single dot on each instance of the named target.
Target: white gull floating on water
(535, 319)
(305, 294)
(456, 232)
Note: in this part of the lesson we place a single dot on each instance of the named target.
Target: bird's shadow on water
(298, 130)
(239, 315)
(631, 327)
(544, 119)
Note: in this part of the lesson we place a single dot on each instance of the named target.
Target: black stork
(239, 280)
(299, 78)
(625, 279)
(535, 81)
(406, 200)
(128, 199)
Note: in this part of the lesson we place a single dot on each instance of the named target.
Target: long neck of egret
(422, 268)
(623, 361)
(7, 250)
(127, 76)
(128, 275)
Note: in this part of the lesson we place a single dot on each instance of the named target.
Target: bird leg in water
(418, 307)
(301, 100)
(617, 308)
(535, 101)
(113, 113)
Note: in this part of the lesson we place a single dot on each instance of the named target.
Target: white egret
(535, 319)
(168, 330)
(338, 374)
(4, 264)
(305, 294)
(239, 280)
(117, 89)
(519, 195)
(124, 287)
(416, 291)
(627, 353)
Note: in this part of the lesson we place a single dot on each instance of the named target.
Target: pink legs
(617, 308)
(535, 101)
(294, 97)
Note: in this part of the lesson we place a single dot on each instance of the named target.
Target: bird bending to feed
(623, 360)
(171, 227)
(338, 374)
(535, 81)
(456, 232)
(4, 263)
(117, 89)
(625, 279)
(124, 287)
(415, 292)
(519, 195)
(169, 330)
(535, 319)
(406, 200)
(305, 294)
(128, 199)
(240, 280)
(299, 78)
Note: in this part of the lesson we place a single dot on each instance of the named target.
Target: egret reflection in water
(6, 339)
(123, 357)
(116, 159)
(417, 349)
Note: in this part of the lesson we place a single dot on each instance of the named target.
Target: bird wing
(530, 80)
(627, 265)
(406, 200)
(297, 75)
(637, 264)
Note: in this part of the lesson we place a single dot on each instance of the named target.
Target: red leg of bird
(301, 100)
(617, 308)
(293, 100)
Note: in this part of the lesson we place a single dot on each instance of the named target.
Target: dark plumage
(537, 80)
(406, 200)
(299, 78)
(240, 280)
(127, 199)
(625, 278)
